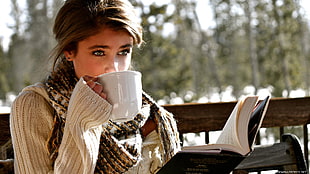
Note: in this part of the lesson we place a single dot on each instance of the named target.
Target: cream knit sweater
(32, 120)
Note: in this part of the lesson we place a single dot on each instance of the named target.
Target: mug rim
(120, 72)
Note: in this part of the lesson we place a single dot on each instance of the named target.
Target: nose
(111, 66)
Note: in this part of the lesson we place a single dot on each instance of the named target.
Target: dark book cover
(202, 163)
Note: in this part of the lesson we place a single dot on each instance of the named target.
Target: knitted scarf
(115, 155)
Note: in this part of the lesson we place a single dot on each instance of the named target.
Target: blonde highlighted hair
(79, 19)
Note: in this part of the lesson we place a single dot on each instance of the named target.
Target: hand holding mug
(92, 82)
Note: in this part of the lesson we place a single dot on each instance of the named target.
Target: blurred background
(194, 51)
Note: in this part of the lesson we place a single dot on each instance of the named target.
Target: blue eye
(98, 53)
(124, 52)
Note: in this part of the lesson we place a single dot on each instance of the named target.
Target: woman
(63, 126)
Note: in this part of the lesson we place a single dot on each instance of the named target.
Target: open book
(234, 143)
(241, 128)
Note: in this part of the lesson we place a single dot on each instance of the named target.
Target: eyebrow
(105, 46)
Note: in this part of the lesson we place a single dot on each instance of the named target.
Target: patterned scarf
(116, 155)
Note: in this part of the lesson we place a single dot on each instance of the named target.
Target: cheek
(88, 67)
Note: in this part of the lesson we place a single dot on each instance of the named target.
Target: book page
(229, 133)
(244, 119)
(235, 131)
(234, 136)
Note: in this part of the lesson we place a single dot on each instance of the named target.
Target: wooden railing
(5, 135)
(206, 117)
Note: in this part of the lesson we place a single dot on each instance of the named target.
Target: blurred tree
(30, 47)
(248, 7)
(258, 43)
(160, 59)
(280, 50)
(232, 54)
(15, 44)
(4, 64)
(258, 38)
(304, 42)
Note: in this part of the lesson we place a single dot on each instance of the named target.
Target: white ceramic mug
(124, 92)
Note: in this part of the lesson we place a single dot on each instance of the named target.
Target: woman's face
(107, 51)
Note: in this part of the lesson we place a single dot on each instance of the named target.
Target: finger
(91, 84)
(94, 85)
(103, 95)
(88, 78)
(98, 88)
(95, 79)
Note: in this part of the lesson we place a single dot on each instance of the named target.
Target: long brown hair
(79, 19)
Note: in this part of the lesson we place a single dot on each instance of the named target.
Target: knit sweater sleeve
(79, 148)
(32, 121)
